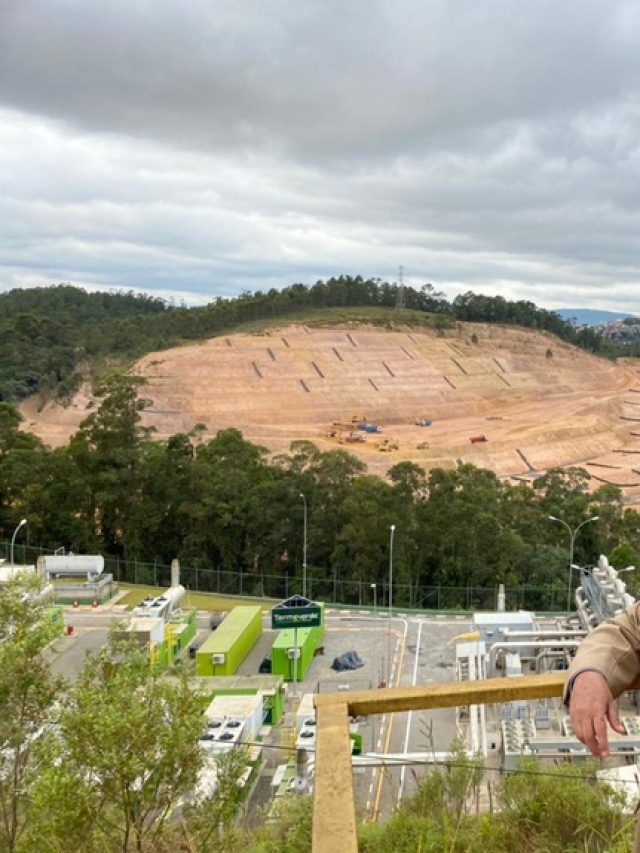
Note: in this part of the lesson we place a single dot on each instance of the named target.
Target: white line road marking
(408, 731)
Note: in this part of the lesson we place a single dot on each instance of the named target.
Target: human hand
(591, 705)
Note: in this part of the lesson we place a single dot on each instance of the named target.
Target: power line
(391, 762)
(400, 293)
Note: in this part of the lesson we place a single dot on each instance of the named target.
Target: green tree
(27, 690)
(22, 460)
(108, 450)
(130, 743)
(290, 829)
(209, 824)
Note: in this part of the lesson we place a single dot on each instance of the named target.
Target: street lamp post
(572, 538)
(392, 530)
(304, 548)
(22, 523)
(374, 587)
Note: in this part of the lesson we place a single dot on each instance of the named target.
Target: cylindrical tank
(174, 596)
(74, 565)
(175, 573)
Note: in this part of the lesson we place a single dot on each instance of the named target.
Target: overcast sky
(197, 148)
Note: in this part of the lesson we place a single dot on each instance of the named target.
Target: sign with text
(296, 612)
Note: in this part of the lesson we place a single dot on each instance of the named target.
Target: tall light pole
(572, 538)
(374, 587)
(392, 531)
(22, 523)
(304, 549)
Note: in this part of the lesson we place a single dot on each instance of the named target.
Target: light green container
(231, 642)
(308, 641)
(179, 632)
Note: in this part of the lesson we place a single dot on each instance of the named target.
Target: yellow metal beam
(334, 811)
(447, 694)
(334, 820)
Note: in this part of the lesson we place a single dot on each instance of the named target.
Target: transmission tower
(400, 294)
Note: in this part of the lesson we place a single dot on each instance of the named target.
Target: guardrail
(334, 814)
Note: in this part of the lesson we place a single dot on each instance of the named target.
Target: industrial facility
(515, 644)
(161, 625)
(258, 685)
(78, 578)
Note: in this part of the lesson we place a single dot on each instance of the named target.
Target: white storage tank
(162, 605)
(75, 565)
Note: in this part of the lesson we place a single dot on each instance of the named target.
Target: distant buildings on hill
(620, 330)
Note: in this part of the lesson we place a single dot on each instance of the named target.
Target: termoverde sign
(296, 612)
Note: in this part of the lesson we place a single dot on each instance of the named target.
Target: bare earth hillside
(538, 402)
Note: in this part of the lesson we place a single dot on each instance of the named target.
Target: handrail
(334, 816)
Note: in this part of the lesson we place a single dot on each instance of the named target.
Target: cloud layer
(198, 149)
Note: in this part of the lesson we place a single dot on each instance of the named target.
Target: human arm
(606, 664)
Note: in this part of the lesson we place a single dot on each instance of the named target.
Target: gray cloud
(201, 148)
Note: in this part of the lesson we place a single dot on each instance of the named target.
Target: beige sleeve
(613, 648)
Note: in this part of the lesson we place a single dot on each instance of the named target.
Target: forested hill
(50, 336)
(46, 333)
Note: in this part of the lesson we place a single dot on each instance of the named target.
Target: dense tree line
(51, 337)
(222, 505)
(46, 334)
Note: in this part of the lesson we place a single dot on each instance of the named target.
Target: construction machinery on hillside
(387, 445)
(478, 439)
(353, 437)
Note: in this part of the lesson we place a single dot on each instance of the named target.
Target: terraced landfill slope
(537, 401)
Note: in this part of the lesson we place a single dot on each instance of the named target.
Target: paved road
(419, 655)
(68, 653)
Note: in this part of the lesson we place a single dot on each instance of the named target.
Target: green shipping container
(308, 641)
(237, 634)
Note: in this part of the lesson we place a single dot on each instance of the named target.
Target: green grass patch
(389, 318)
(198, 600)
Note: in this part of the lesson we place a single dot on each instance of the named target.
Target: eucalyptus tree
(27, 691)
(108, 449)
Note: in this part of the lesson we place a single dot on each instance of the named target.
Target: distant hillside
(591, 316)
(516, 401)
(51, 339)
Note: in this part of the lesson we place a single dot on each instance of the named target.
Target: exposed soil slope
(539, 402)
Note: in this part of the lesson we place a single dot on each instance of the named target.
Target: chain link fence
(332, 590)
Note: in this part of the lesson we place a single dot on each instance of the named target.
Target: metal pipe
(543, 655)
(496, 647)
(570, 632)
